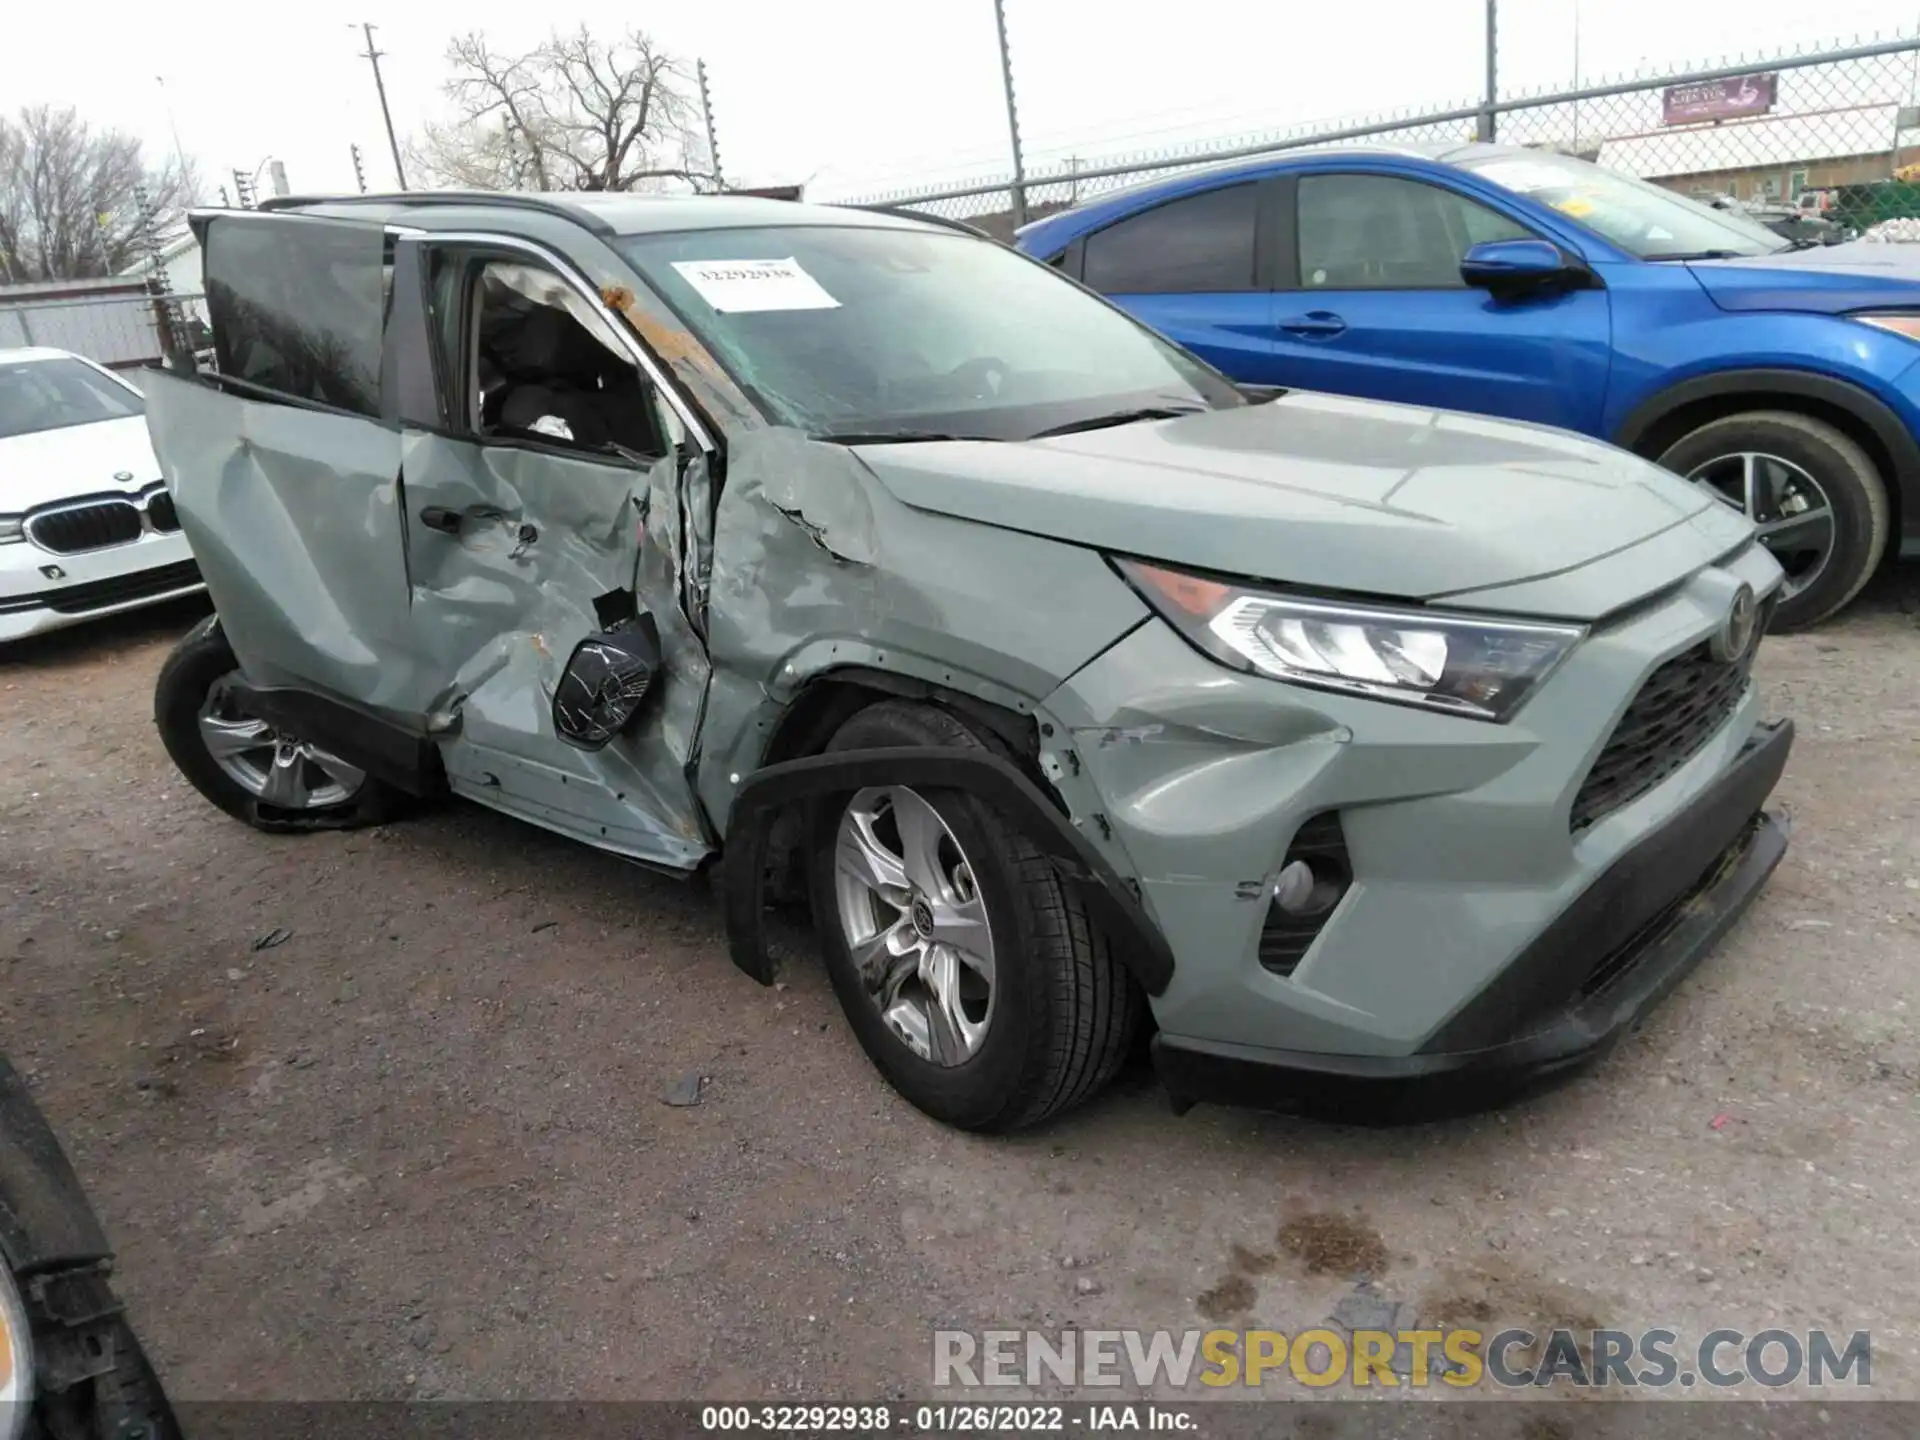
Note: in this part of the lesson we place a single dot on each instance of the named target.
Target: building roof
(1770, 140)
(62, 289)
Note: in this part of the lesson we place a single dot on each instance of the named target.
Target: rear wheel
(972, 976)
(1817, 499)
(241, 763)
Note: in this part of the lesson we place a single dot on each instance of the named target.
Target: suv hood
(1828, 279)
(1319, 491)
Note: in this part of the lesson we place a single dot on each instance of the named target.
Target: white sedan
(86, 525)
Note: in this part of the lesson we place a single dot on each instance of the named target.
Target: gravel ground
(418, 1146)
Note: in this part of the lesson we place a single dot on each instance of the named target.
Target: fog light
(1302, 890)
(1314, 875)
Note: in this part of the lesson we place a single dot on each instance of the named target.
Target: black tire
(1064, 1009)
(124, 1400)
(1852, 482)
(200, 659)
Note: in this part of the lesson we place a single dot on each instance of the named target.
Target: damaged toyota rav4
(1379, 759)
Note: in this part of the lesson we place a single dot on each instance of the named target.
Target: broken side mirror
(607, 677)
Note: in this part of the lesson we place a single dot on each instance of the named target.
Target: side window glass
(539, 361)
(298, 307)
(1379, 232)
(1200, 244)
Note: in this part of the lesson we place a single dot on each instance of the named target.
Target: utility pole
(1493, 84)
(706, 109)
(359, 169)
(1013, 116)
(372, 56)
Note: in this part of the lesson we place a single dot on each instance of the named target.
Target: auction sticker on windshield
(736, 286)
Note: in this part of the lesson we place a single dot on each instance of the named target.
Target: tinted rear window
(1198, 244)
(298, 306)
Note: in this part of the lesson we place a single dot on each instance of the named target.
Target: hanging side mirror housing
(605, 680)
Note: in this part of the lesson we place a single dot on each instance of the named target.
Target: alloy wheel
(278, 770)
(915, 923)
(1791, 511)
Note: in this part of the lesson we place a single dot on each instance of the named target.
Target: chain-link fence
(1834, 132)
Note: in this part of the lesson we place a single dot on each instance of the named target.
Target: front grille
(1285, 937)
(85, 527)
(1678, 710)
(160, 512)
(99, 594)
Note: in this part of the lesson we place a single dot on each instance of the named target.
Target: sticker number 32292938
(739, 286)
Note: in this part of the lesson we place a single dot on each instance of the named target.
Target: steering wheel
(984, 374)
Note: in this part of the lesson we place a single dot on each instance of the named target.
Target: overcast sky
(862, 95)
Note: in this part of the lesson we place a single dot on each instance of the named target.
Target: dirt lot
(419, 1146)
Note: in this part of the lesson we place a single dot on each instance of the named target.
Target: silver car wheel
(915, 923)
(277, 770)
(1794, 517)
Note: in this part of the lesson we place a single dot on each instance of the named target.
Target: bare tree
(574, 113)
(67, 196)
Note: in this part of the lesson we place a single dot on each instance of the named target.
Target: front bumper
(1609, 958)
(90, 584)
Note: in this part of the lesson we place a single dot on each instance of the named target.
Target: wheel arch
(1656, 423)
(795, 767)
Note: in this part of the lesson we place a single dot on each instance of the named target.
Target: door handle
(439, 517)
(1316, 324)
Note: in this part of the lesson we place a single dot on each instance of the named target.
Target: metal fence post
(1013, 118)
(1492, 94)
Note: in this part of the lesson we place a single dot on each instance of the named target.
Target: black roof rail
(423, 199)
(901, 212)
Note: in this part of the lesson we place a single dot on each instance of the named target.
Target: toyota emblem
(1737, 635)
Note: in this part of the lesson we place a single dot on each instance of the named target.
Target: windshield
(880, 333)
(1642, 219)
(53, 394)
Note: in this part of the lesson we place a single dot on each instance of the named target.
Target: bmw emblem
(125, 477)
(1736, 637)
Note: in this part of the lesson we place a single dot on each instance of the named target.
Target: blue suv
(1536, 286)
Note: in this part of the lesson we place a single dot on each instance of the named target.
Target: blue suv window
(1379, 232)
(1199, 244)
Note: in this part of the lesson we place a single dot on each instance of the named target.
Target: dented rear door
(284, 473)
(516, 551)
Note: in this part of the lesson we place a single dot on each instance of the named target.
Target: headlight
(1453, 663)
(12, 529)
(16, 1356)
(1907, 325)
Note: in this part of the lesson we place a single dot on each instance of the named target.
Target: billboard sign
(1718, 99)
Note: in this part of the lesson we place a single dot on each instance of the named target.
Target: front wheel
(973, 978)
(1816, 498)
(241, 763)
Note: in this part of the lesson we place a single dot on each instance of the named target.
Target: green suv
(1379, 759)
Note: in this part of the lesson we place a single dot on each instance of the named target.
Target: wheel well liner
(1656, 423)
(830, 700)
(1137, 941)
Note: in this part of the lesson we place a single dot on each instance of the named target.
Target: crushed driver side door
(522, 548)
